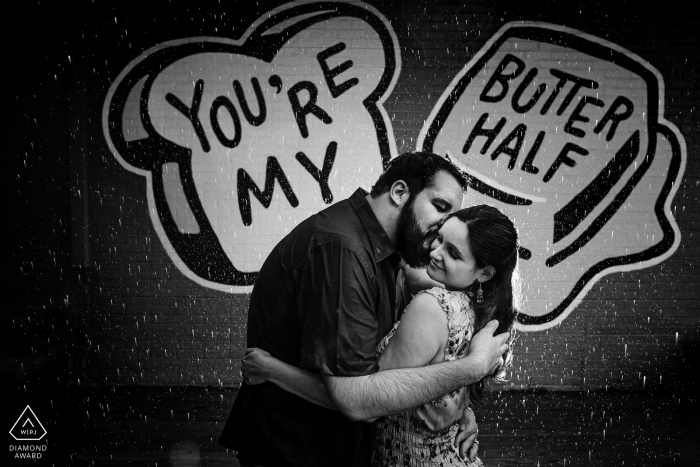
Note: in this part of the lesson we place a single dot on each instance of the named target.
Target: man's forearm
(394, 391)
(302, 383)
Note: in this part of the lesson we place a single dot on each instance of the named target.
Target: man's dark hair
(417, 170)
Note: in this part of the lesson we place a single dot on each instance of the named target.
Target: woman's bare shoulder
(425, 302)
(426, 315)
(420, 337)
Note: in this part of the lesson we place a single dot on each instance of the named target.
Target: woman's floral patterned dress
(423, 437)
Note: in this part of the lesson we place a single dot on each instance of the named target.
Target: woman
(474, 256)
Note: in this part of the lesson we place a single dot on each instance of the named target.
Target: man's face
(417, 223)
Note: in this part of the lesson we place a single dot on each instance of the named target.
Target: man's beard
(413, 244)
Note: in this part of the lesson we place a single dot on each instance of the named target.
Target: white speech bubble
(240, 140)
(561, 131)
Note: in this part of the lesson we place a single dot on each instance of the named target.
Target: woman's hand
(466, 441)
(256, 366)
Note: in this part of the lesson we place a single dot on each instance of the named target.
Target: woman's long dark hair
(493, 241)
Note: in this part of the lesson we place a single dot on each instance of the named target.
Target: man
(324, 298)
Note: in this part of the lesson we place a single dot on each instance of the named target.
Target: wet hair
(417, 170)
(493, 241)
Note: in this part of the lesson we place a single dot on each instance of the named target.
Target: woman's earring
(480, 294)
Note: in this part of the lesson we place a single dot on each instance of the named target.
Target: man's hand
(256, 366)
(466, 436)
(489, 349)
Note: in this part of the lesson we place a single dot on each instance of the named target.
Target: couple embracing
(357, 356)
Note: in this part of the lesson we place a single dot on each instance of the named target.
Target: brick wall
(138, 316)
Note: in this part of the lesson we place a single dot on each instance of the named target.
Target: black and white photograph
(352, 233)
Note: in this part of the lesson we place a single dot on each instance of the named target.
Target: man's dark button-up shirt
(324, 298)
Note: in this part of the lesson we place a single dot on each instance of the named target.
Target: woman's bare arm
(420, 337)
(420, 340)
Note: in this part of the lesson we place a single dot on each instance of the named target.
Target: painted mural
(565, 133)
(240, 140)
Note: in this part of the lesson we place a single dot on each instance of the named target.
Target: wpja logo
(28, 428)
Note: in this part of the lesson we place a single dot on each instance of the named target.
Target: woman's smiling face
(451, 260)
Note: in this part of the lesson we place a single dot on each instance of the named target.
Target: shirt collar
(382, 246)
